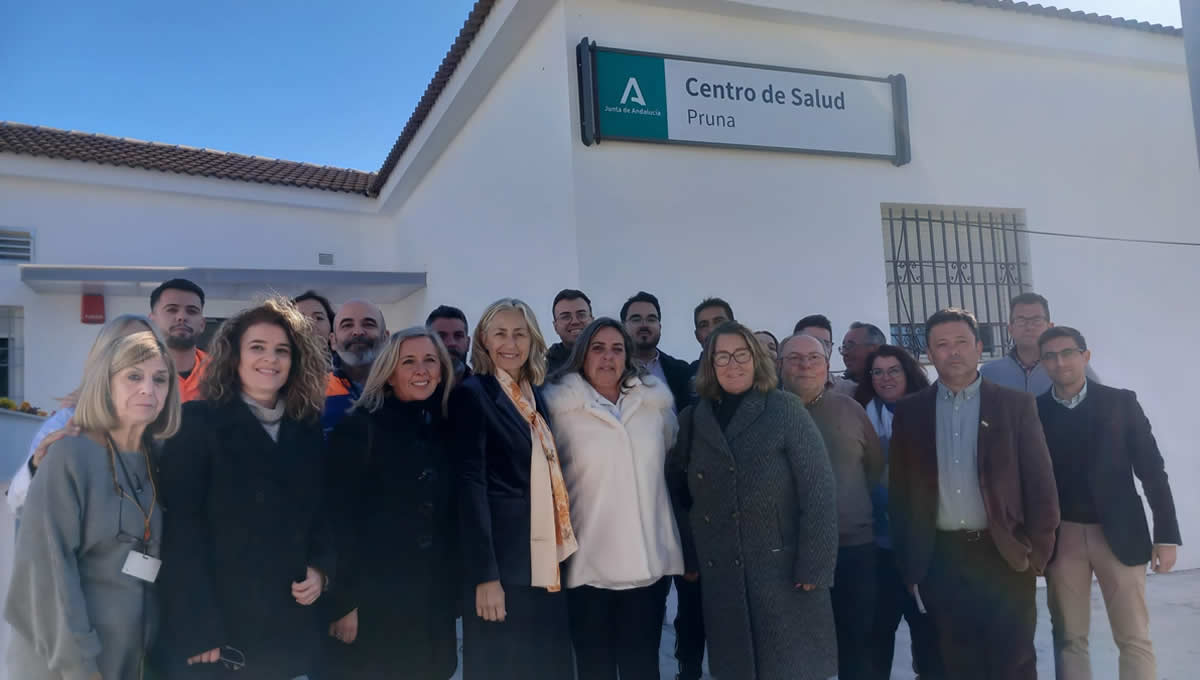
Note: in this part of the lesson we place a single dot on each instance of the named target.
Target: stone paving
(1174, 623)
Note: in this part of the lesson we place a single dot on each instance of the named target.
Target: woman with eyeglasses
(247, 546)
(756, 505)
(390, 489)
(82, 598)
(892, 373)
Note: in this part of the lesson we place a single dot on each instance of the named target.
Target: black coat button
(710, 563)
(707, 519)
(699, 475)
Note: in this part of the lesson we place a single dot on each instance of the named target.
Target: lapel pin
(984, 423)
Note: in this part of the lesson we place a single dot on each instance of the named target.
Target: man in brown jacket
(973, 506)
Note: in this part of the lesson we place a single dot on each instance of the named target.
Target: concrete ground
(1174, 601)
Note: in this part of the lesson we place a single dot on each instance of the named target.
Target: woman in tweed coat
(754, 495)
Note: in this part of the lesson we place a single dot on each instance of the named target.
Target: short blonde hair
(96, 412)
(377, 388)
(534, 369)
(765, 378)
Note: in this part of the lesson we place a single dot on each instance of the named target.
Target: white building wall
(517, 206)
(1084, 146)
(494, 217)
(82, 224)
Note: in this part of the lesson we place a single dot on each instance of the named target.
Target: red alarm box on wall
(93, 308)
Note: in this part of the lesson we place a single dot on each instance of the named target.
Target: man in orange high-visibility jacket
(177, 309)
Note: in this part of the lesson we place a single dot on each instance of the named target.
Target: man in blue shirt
(1021, 369)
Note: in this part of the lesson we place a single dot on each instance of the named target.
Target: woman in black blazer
(391, 491)
(514, 513)
(246, 550)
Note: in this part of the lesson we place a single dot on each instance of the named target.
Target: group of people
(329, 498)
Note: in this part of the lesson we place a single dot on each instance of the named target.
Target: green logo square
(631, 95)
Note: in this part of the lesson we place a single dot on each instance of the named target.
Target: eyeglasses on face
(1028, 320)
(742, 356)
(1062, 355)
(893, 372)
(802, 359)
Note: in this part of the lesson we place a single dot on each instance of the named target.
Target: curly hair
(303, 392)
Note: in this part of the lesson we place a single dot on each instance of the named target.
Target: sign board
(644, 97)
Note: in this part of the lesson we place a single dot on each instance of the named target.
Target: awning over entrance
(223, 284)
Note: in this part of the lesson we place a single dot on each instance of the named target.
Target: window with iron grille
(16, 246)
(952, 256)
(12, 350)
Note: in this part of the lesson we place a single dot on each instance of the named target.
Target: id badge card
(141, 566)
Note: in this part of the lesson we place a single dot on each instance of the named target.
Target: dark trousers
(984, 611)
(689, 629)
(892, 603)
(617, 632)
(854, 591)
(533, 641)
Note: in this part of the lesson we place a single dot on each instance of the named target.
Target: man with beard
(572, 313)
(177, 309)
(451, 326)
(642, 318)
(358, 328)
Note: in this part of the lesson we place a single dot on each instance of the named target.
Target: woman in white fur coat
(613, 426)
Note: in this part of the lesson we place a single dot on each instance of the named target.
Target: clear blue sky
(324, 82)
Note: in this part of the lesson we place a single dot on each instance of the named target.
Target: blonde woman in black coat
(514, 511)
(391, 493)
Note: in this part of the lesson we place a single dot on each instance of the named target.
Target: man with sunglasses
(1021, 369)
(1099, 439)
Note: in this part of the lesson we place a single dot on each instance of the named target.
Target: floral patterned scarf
(551, 538)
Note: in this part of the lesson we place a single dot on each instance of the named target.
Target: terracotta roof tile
(434, 90)
(132, 153)
(1074, 15)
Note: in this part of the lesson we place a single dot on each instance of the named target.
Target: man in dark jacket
(451, 326)
(572, 311)
(710, 313)
(1099, 439)
(642, 318)
(973, 507)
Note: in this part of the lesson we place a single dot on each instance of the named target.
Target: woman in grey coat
(754, 495)
(82, 601)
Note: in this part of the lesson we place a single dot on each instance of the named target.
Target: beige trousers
(1082, 550)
